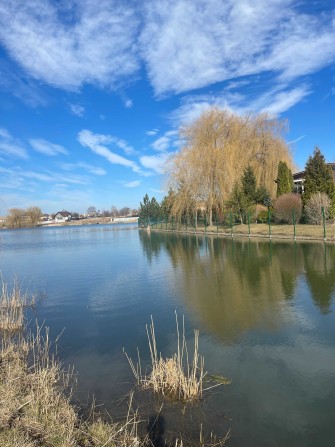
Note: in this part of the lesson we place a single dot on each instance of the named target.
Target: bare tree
(91, 211)
(314, 205)
(124, 211)
(34, 214)
(114, 211)
(15, 218)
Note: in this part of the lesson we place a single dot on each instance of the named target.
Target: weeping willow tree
(218, 147)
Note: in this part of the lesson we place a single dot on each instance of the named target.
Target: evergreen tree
(284, 179)
(249, 185)
(263, 196)
(238, 201)
(149, 209)
(318, 177)
(154, 208)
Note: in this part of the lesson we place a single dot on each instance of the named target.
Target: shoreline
(89, 221)
(313, 233)
(304, 232)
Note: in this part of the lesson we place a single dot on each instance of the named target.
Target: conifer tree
(149, 209)
(249, 186)
(238, 201)
(318, 177)
(284, 179)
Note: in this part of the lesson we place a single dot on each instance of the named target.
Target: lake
(265, 311)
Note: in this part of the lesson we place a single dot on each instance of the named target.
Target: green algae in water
(216, 378)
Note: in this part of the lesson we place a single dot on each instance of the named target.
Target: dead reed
(13, 303)
(35, 401)
(175, 377)
(36, 392)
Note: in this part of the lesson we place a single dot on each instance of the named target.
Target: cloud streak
(81, 165)
(47, 148)
(11, 147)
(156, 163)
(97, 143)
(133, 184)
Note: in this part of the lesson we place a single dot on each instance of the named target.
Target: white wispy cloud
(296, 140)
(191, 44)
(275, 100)
(156, 163)
(23, 179)
(81, 165)
(183, 44)
(72, 43)
(167, 141)
(77, 109)
(10, 146)
(152, 132)
(97, 143)
(19, 85)
(128, 103)
(133, 184)
(52, 177)
(193, 106)
(47, 148)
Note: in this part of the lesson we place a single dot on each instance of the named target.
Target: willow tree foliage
(219, 146)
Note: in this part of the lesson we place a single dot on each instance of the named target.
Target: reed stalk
(175, 377)
(13, 303)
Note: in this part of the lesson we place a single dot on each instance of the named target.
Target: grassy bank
(302, 232)
(35, 402)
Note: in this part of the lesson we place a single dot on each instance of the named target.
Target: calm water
(265, 314)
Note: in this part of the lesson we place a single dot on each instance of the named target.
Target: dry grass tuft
(174, 377)
(12, 306)
(103, 434)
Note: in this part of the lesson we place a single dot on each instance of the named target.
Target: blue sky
(92, 93)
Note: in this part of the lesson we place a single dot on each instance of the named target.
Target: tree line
(32, 216)
(18, 217)
(241, 164)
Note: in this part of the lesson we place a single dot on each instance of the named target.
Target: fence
(242, 224)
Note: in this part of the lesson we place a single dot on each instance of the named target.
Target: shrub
(261, 213)
(313, 208)
(284, 206)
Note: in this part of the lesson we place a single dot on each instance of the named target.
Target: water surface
(264, 311)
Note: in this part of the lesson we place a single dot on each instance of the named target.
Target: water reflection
(235, 286)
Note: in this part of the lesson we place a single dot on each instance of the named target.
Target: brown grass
(175, 377)
(33, 408)
(35, 401)
(12, 306)
(278, 231)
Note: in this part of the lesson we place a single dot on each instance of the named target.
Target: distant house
(299, 178)
(62, 216)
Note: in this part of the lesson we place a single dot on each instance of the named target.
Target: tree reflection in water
(237, 285)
